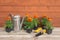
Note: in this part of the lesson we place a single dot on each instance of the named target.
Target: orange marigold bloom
(44, 16)
(35, 16)
(29, 19)
(27, 15)
(50, 19)
(8, 18)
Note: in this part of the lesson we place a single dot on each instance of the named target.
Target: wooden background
(48, 7)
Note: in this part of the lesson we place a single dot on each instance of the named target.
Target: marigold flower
(50, 19)
(27, 15)
(35, 16)
(29, 19)
(8, 18)
(44, 16)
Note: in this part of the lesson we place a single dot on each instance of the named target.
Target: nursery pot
(43, 26)
(35, 28)
(8, 29)
(48, 31)
(29, 30)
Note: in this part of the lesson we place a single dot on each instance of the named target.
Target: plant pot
(35, 28)
(49, 31)
(23, 26)
(43, 27)
(8, 29)
(29, 30)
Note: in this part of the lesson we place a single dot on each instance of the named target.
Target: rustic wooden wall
(48, 7)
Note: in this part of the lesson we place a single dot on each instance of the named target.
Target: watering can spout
(22, 22)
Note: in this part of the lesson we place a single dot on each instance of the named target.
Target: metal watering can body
(17, 23)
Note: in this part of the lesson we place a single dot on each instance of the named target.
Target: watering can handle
(22, 22)
(11, 15)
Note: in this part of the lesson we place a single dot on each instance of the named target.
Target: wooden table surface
(22, 35)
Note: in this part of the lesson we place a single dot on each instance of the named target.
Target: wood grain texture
(21, 7)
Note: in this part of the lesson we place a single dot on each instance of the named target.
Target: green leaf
(9, 24)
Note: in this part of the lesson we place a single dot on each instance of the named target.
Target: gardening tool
(38, 34)
(16, 22)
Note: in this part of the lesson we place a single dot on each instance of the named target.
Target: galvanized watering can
(17, 23)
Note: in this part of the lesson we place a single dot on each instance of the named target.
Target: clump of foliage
(9, 24)
(47, 22)
(30, 22)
